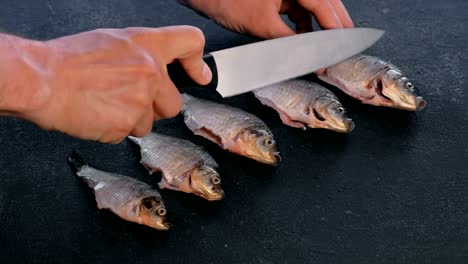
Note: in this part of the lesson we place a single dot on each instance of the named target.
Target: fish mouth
(162, 226)
(346, 126)
(338, 123)
(271, 159)
(414, 105)
(403, 101)
(410, 103)
(420, 103)
(216, 194)
(343, 126)
(275, 158)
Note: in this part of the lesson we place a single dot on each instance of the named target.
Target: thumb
(274, 27)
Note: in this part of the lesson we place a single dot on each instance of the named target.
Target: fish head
(327, 112)
(153, 213)
(397, 91)
(258, 144)
(205, 181)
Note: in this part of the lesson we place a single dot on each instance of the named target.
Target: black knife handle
(181, 79)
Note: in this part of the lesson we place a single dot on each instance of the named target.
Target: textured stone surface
(393, 191)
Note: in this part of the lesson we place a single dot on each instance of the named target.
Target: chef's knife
(245, 68)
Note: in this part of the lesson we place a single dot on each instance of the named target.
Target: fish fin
(267, 102)
(76, 162)
(135, 140)
(150, 169)
(163, 184)
(100, 196)
(203, 131)
(183, 187)
(289, 122)
(284, 117)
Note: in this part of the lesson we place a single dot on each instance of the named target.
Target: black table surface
(395, 190)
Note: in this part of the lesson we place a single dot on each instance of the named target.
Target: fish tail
(76, 162)
(135, 140)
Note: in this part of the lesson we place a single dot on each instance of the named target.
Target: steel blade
(249, 67)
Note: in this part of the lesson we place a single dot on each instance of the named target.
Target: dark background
(395, 190)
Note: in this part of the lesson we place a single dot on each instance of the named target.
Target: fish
(128, 198)
(185, 166)
(303, 104)
(231, 128)
(374, 81)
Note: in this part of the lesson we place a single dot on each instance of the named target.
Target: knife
(245, 68)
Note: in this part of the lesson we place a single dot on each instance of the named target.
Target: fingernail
(320, 71)
(207, 75)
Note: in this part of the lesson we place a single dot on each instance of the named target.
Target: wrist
(22, 74)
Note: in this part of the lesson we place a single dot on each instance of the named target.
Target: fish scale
(130, 199)
(175, 157)
(117, 190)
(293, 93)
(185, 166)
(374, 81)
(220, 119)
(303, 104)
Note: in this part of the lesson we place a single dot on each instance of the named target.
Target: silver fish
(231, 128)
(185, 166)
(375, 82)
(301, 103)
(130, 199)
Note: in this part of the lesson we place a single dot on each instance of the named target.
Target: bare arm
(99, 85)
(261, 18)
(21, 81)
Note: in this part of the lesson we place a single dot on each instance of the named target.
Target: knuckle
(117, 35)
(143, 97)
(196, 35)
(124, 125)
(132, 32)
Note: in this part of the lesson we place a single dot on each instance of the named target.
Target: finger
(323, 12)
(301, 18)
(342, 13)
(187, 44)
(167, 44)
(144, 125)
(168, 101)
(272, 27)
(320, 71)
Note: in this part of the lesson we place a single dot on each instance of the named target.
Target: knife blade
(245, 68)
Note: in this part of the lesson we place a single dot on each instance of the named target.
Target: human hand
(106, 84)
(261, 18)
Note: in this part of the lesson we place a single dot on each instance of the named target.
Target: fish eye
(215, 180)
(161, 211)
(269, 142)
(307, 111)
(341, 110)
(409, 85)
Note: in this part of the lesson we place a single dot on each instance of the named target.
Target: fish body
(302, 104)
(185, 166)
(374, 81)
(231, 128)
(130, 199)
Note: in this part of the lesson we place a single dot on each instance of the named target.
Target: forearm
(22, 74)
